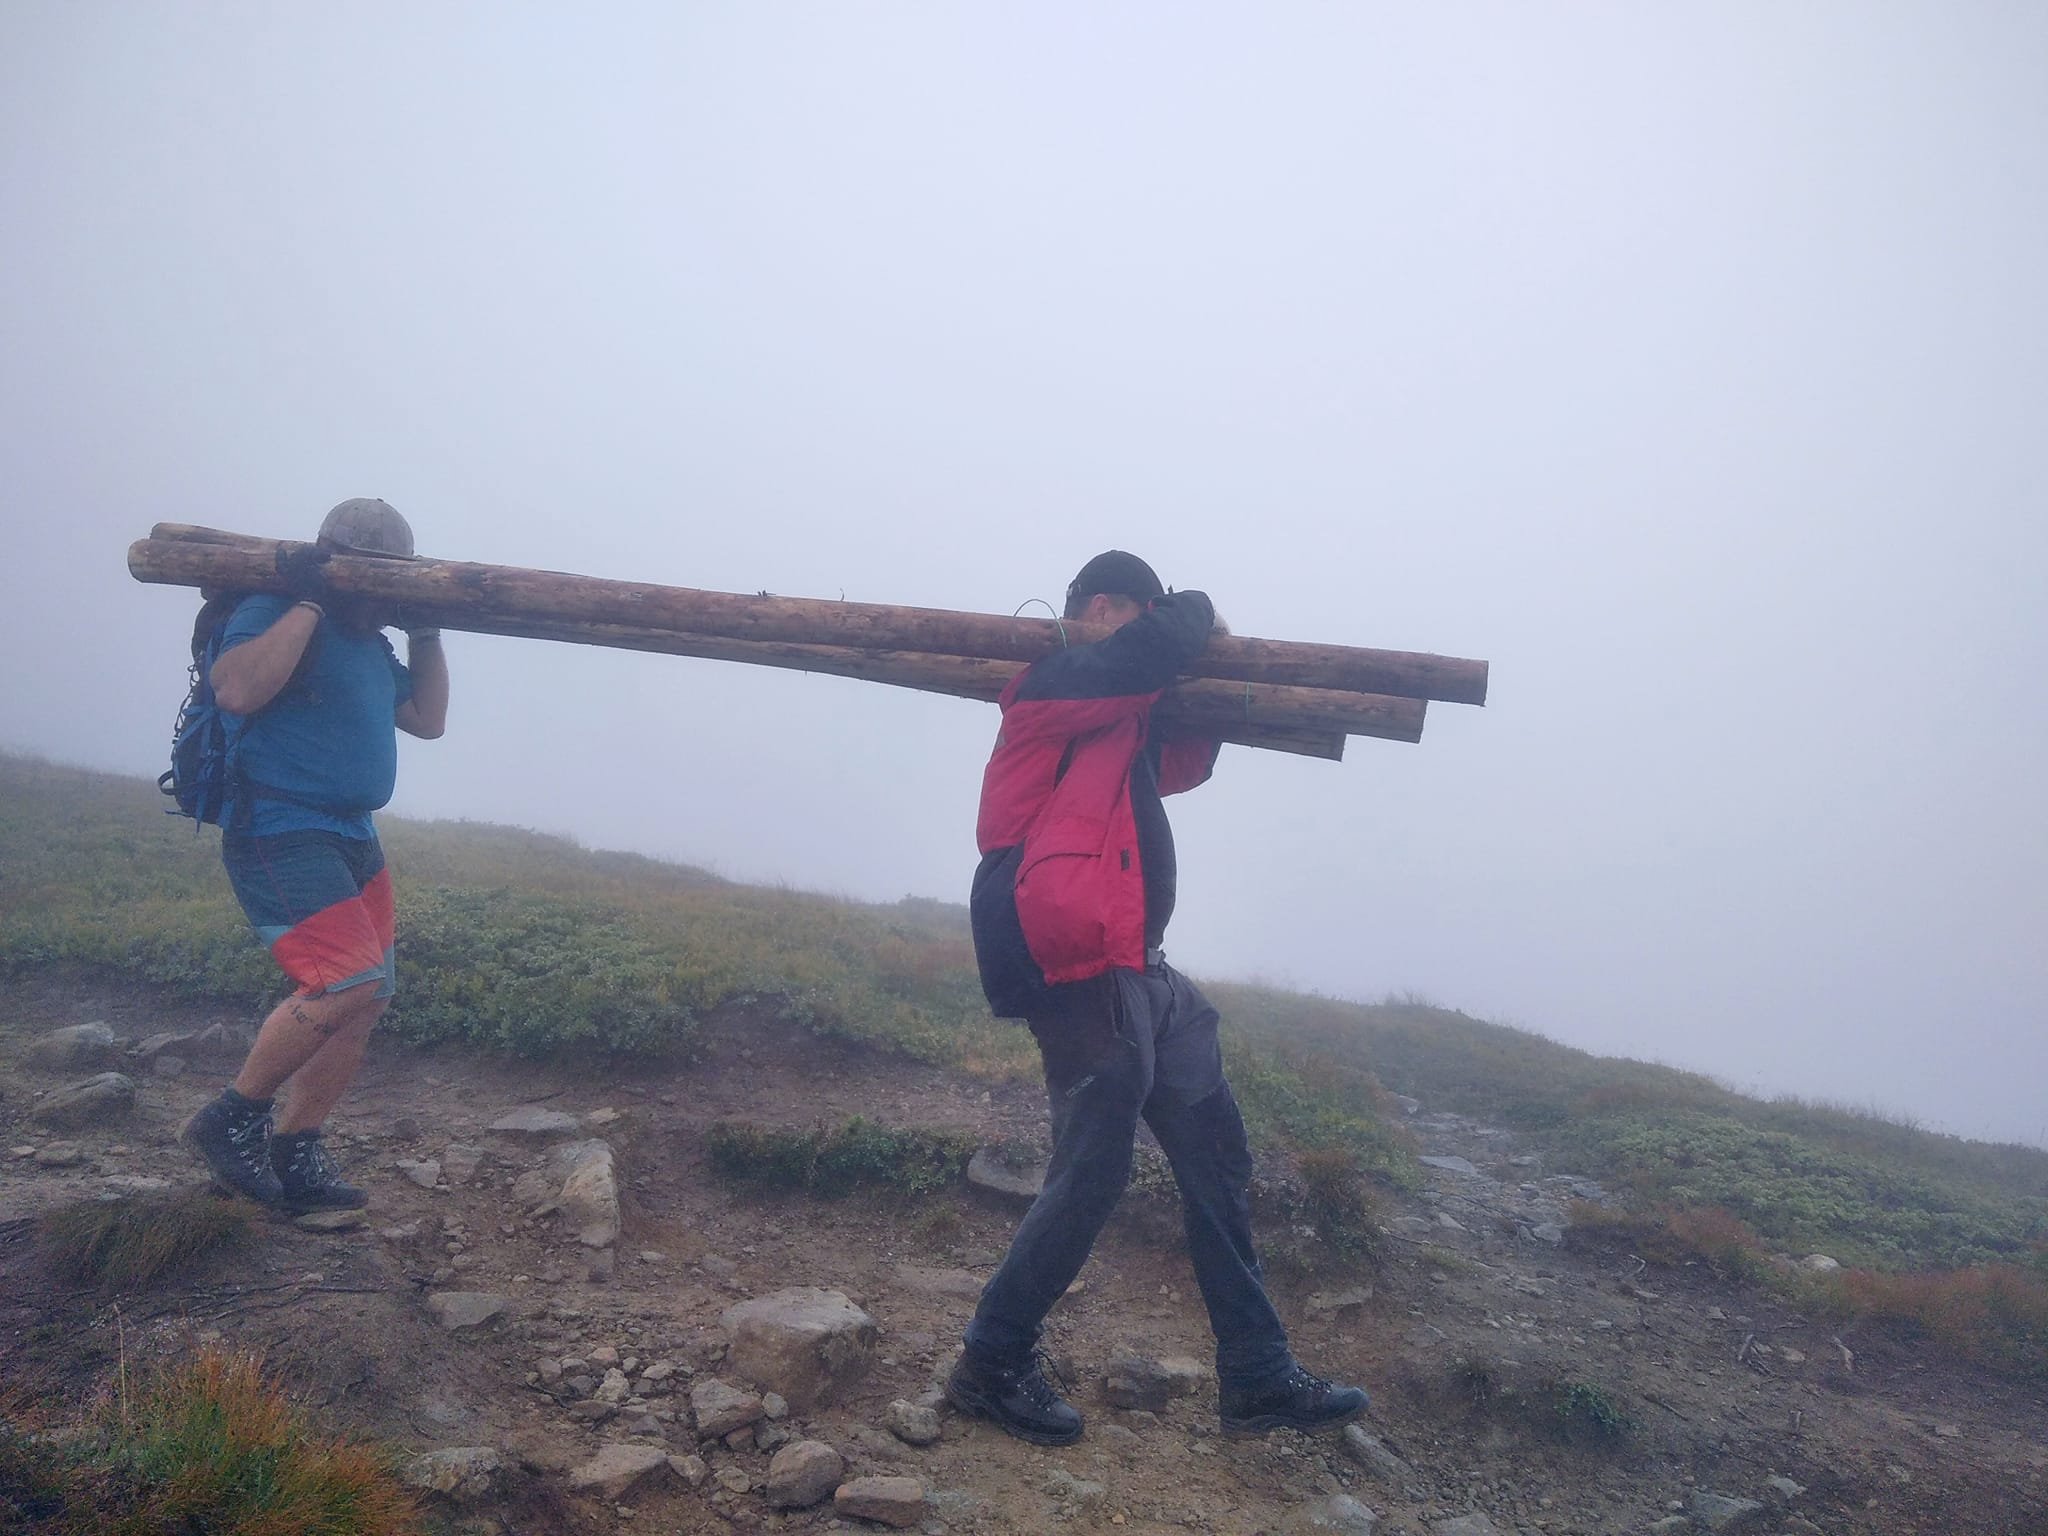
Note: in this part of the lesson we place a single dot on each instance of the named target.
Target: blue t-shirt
(330, 736)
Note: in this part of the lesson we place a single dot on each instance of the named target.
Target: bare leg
(316, 1041)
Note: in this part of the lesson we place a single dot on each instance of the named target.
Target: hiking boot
(1017, 1398)
(308, 1177)
(1299, 1400)
(232, 1135)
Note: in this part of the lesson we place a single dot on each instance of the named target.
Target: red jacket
(1070, 803)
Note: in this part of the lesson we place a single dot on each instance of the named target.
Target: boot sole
(1266, 1423)
(980, 1408)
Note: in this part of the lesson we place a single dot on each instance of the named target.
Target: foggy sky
(1689, 363)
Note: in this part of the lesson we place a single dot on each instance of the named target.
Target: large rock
(74, 1048)
(993, 1170)
(802, 1473)
(589, 1199)
(720, 1408)
(530, 1120)
(458, 1310)
(616, 1468)
(1338, 1512)
(1366, 1448)
(462, 1472)
(806, 1344)
(96, 1101)
(897, 1501)
(1137, 1383)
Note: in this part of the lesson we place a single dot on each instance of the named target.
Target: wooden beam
(515, 593)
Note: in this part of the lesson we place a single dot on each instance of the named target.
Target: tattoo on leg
(325, 1028)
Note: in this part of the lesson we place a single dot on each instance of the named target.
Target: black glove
(299, 569)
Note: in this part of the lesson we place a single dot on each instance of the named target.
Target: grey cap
(366, 525)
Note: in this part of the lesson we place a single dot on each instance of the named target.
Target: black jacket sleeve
(1142, 657)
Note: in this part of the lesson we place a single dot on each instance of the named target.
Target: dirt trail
(1475, 1330)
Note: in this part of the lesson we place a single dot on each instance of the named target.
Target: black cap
(1120, 574)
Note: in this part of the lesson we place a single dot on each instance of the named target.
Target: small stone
(600, 1118)
(599, 1268)
(773, 1406)
(74, 1048)
(893, 1501)
(741, 1439)
(460, 1161)
(331, 1221)
(1784, 1487)
(1465, 1525)
(59, 1154)
(616, 1468)
(424, 1172)
(802, 1473)
(530, 1120)
(911, 1424)
(604, 1355)
(695, 1471)
(167, 1066)
(1336, 1301)
(1548, 1232)
(134, 1184)
(614, 1388)
(96, 1101)
(218, 1045)
(1338, 1512)
(591, 1411)
(718, 1408)
(151, 1047)
(21, 1151)
(461, 1473)
(660, 1370)
(1949, 1431)
(548, 1369)
(1717, 1511)
(1819, 1263)
(1458, 1165)
(456, 1310)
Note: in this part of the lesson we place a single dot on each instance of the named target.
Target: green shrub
(856, 1155)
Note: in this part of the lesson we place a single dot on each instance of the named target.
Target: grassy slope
(529, 943)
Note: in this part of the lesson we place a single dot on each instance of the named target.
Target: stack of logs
(1278, 694)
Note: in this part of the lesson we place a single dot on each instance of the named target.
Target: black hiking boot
(1299, 1400)
(232, 1136)
(309, 1178)
(1017, 1398)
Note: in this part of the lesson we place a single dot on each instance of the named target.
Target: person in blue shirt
(313, 695)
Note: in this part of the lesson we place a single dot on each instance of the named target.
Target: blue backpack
(203, 781)
(198, 780)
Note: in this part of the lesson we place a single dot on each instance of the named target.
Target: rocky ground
(570, 1324)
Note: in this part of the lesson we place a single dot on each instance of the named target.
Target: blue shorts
(321, 903)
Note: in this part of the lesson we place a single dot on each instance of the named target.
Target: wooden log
(1254, 715)
(514, 592)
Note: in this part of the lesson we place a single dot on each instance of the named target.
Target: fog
(1688, 363)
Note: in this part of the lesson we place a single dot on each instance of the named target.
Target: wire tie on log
(1057, 623)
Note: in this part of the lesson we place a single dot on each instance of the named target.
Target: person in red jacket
(1070, 906)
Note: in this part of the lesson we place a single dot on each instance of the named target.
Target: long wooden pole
(1253, 715)
(516, 593)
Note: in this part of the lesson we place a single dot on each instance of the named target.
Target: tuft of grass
(207, 1445)
(132, 1243)
(1587, 1415)
(858, 1154)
